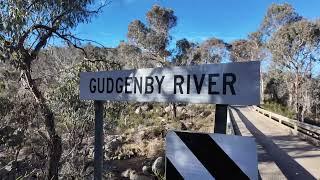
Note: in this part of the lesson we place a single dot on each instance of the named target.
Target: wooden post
(98, 140)
(221, 114)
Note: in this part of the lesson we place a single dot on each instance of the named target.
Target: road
(281, 154)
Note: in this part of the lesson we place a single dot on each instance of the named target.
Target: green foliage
(279, 109)
(161, 19)
(183, 48)
(251, 49)
(212, 50)
(296, 45)
(130, 56)
(11, 137)
(155, 37)
(315, 90)
(75, 117)
(5, 106)
(26, 26)
(131, 119)
(278, 15)
(2, 87)
(276, 89)
(198, 108)
(64, 97)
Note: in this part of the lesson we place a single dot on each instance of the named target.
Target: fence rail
(309, 132)
(230, 129)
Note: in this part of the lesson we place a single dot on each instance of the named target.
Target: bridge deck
(281, 150)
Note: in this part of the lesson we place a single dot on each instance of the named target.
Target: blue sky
(197, 20)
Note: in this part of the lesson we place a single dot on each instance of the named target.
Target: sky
(197, 20)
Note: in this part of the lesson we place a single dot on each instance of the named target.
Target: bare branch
(42, 42)
(87, 40)
(100, 7)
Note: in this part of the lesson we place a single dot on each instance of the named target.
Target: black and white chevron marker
(199, 156)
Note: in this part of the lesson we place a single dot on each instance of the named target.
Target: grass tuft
(279, 109)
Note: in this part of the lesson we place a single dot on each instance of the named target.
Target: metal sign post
(98, 140)
(221, 115)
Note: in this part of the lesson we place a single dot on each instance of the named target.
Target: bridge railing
(230, 129)
(309, 132)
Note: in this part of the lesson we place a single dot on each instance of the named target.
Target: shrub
(279, 109)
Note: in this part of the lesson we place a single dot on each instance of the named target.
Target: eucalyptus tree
(26, 27)
(274, 28)
(251, 49)
(183, 49)
(277, 16)
(153, 38)
(130, 56)
(254, 47)
(315, 87)
(213, 50)
(295, 48)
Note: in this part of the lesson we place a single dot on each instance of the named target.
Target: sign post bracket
(221, 115)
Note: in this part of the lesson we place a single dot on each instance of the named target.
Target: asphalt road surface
(281, 154)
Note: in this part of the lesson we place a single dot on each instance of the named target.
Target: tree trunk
(298, 106)
(290, 104)
(296, 93)
(261, 89)
(300, 114)
(289, 86)
(54, 155)
(54, 144)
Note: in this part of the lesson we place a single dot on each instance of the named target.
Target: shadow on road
(289, 167)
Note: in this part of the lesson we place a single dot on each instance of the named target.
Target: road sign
(210, 156)
(229, 83)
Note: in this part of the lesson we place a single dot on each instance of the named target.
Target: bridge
(287, 149)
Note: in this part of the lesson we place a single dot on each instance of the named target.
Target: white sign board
(229, 83)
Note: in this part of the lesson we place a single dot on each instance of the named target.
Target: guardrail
(230, 129)
(309, 132)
